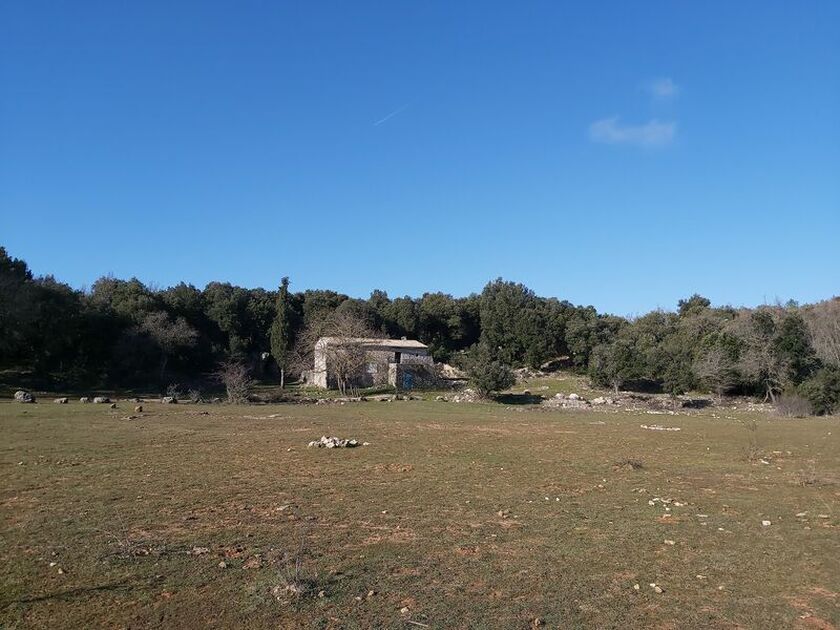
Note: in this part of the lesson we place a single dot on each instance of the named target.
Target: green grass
(414, 517)
(559, 383)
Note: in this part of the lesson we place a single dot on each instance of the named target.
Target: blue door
(408, 380)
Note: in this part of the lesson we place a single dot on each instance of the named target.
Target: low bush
(793, 406)
(822, 390)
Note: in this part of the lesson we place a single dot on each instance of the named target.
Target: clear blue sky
(617, 154)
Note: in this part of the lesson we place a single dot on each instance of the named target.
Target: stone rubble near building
(465, 395)
(450, 371)
(334, 442)
(572, 401)
(524, 373)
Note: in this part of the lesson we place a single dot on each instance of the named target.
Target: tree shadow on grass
(518, 399)
(73, 593)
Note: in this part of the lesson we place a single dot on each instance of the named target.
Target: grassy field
(455, 516)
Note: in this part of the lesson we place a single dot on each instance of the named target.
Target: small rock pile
(22, 396)
(339, 401)
(467, 395)
(333, 442)
(572, 401)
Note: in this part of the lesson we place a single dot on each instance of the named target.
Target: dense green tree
(282, 329)
(792, 344)
(169, 335)
(402, 318)
(513, 324)
(486, 373)
(319, 304)
(693, 305)
(613, 364)
(447, 324)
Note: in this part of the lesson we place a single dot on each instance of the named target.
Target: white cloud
(650, 134)
(663, 88)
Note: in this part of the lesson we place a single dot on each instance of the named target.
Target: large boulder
(61, 401)
(22, 396)
(169, 400)
(101, 400)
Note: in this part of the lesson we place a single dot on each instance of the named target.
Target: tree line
(122, 333)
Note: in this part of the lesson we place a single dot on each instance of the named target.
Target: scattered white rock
(466, 395)
(659, 427)
(101, 400)
(766, 523)
(22, 396)
(334, 442)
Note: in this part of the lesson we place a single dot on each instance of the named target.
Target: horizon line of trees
(122, 333)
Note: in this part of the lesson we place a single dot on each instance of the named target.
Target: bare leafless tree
(715, 370)
(236, 379)
(339, 337)
(758, 363)
(823, 320)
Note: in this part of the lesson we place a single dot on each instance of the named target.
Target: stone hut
(402, 363)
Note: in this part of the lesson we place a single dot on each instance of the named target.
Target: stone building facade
(403, 363)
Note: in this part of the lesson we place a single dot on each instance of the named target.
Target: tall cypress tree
(281, 329)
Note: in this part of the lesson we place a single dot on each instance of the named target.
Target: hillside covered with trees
(121, 333)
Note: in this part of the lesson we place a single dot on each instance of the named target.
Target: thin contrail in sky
(391, 115)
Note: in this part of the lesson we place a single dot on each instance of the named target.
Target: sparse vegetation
(793, 406)
(236, 380)
(139, 515)
(752, 450)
